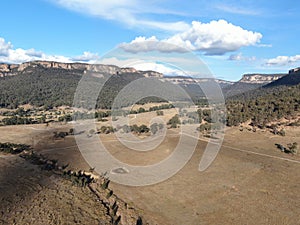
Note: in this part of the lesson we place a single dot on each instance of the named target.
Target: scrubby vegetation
(174, 121)
(292, 148)
(12, 148)
(79, 178)
(158, 109)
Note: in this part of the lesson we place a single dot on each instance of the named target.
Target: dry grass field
(250, 182)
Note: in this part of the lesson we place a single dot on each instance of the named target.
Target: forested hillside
(263, 105)
(39, 87)
(51, 87)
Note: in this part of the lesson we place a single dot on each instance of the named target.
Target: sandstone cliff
(15, 69)
(260, 78)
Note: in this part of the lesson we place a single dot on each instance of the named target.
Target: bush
(160, 113)
(154, 128)
(293, 147)
(281, 132)
(60, 134)
(174, 121)
(107, 129)
(204, 127)
(143, 129)
(13, 148)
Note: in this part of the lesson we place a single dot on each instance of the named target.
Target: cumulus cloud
(129, 12)
(8, 54)
(86, 57)
(143, 44)
(283, 60)
(213, 38)
(4, 47)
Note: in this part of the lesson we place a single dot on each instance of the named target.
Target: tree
(103, 129)
(293, 147)
(92, 131)
(126, 128)
(134, 128)
(159, 113)
(204, 127)
(143, 129)
(141, 110)
(207, 115)
(154, 128)
(174, 121)
(281, 132)
(160, 126)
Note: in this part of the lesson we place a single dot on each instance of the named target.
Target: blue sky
(230, 37)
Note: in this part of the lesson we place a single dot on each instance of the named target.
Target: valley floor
(250, 182)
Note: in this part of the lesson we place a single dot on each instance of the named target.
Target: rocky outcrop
(150, 73)
(15, 69)
(260, 78)
(295, 71)
(181, 80)
(4, 67)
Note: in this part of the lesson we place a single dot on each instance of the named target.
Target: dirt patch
(32, 196)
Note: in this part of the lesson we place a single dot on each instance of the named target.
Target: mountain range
(54, 83)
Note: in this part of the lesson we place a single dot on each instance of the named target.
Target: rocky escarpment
(260, 78)
(15, 69)
(295, 71)
(250, 82)
(182, 80)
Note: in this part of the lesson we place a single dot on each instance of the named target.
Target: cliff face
(15, 69)
(189, 80)
(250, 82)
(260, 78)
(295, 71)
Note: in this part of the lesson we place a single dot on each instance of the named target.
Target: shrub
(160, 113)
(174, 121)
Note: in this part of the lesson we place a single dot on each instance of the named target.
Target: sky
(229, 37)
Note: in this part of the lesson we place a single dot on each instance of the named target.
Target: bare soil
(32, 196)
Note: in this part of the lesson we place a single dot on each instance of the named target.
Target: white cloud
(143, 44)
(144, 65)
(283, 60)
(169, 26)
(240, 57)
(213, 38)
(120, 62)
(8, 54)
(4, 47)
(113, 9)
(129, 12)
(159, 68)
(86, 57)
(237, 10)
